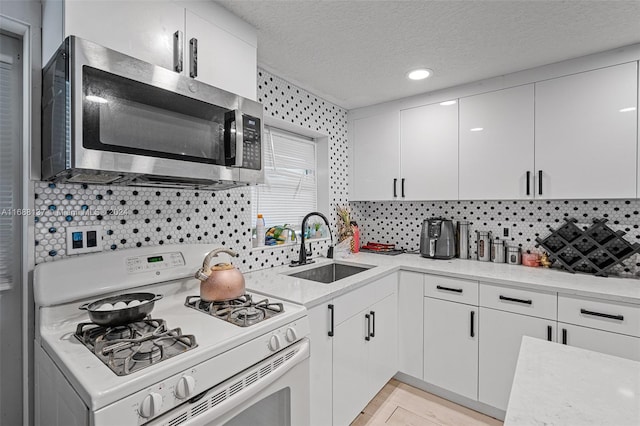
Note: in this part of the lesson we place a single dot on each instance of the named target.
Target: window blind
(290, 189)
(9, 168)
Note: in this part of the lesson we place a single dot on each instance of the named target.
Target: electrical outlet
(84, 239)
(505, 232)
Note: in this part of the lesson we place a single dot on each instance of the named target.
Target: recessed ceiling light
(447, 103)
(628, 109)
(419, 74)
(477, 129)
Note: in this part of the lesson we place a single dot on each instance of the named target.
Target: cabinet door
(321, 365)
(136, 28)
(496, 145)
(350, 358)
(410, 323)
(376, 158)
(499, 349)
(600, 341)
(586, 137)
(223, 60)
(429, 153)
(451, 346)
(383, 346)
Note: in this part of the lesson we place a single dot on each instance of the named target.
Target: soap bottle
(260, 231)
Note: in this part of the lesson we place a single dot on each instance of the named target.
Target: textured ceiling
(356, 53)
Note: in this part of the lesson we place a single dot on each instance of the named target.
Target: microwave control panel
(252, 147)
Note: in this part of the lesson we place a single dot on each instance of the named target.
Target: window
(290, 188)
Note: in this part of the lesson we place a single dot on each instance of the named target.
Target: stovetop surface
(98, 385)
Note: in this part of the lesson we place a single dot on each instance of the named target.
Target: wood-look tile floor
(399, 404)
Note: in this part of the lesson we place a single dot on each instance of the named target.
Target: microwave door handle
(239, 139)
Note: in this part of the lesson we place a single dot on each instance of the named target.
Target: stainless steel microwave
(108, 118)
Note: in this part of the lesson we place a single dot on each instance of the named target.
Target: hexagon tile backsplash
(400, 222)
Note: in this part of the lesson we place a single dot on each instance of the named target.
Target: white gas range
(221, 373)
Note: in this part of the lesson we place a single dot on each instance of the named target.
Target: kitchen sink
(329, 273)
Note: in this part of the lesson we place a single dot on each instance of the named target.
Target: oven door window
(123, 115)
(272, 410)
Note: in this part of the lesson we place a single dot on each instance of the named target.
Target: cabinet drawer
(453, 289)
(617, 317)
(349, 304)
(520, 301)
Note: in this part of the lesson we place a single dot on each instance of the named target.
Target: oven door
(274, 391)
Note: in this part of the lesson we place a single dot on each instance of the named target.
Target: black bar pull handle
(402, 187)
(193, 52)
(395, 184)
(528, 182)
(455, 290)
(600, 314)
(367, 336)
(330, 333)
(177, 51)
(473, 331)
(564, 336)
(549, 333)
(373, 324)
(539, 182)
(513, 299)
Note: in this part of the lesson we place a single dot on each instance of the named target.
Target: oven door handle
(238, 398)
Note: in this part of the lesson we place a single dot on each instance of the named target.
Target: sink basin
(330, 272)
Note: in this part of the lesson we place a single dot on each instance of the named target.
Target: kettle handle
(214, 253)
(201, 274)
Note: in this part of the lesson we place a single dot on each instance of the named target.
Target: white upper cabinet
(223, 60)
(376, 158)
(496, 145)
(137, 28)
(207, 43)
(586, 140)
(429, 152)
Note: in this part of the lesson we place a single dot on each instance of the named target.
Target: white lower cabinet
(321, 364)
(364, 358)
(350, 365)
(410, 323)
(354, 350)
(501, 334)
(603, 326)
(451, 346)
(600, 341)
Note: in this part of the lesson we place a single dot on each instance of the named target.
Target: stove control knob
(185, 387)
(274, 343)
(150, 405)
(290, 335)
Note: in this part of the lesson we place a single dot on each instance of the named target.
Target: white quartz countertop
(276, 282)
(561, 385)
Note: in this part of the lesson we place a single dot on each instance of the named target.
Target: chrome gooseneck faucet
(302, 259)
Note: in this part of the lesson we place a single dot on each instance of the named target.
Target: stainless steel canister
(463, 239)
(497, 251)
(513, 256)
(483, 245)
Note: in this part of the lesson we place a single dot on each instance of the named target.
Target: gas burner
(129, 348)
(246, 316)
(242, 311)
